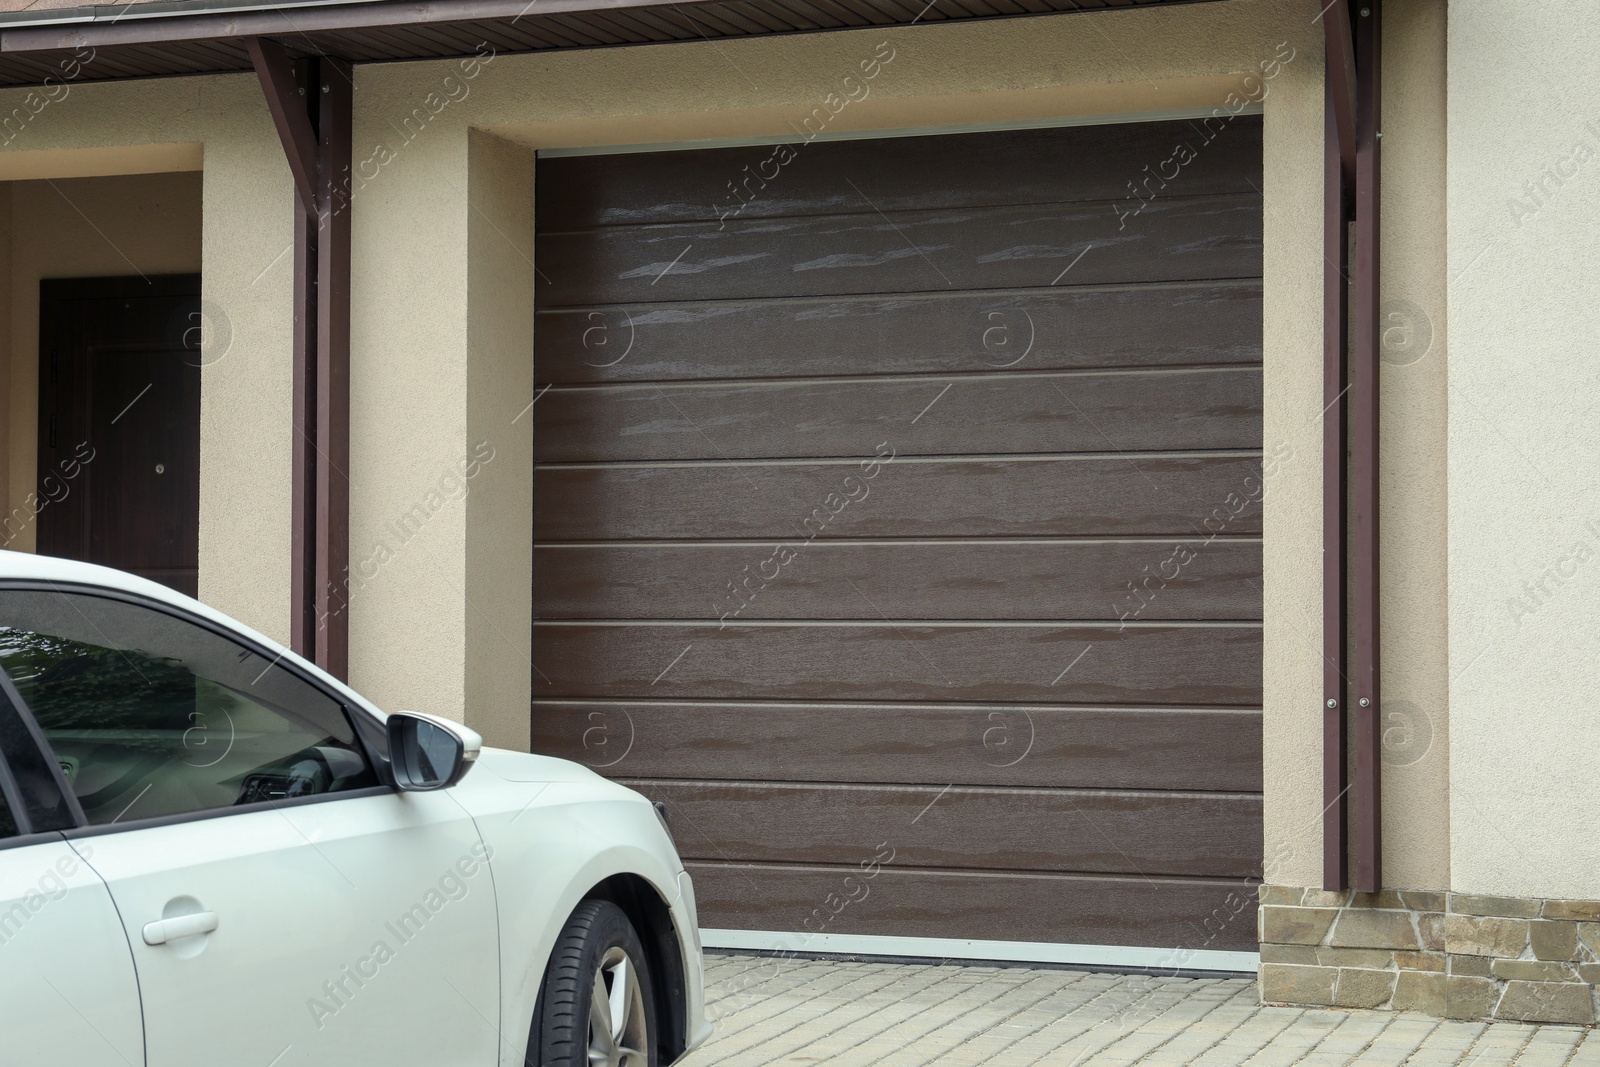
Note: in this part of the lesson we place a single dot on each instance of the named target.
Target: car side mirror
(427, 752)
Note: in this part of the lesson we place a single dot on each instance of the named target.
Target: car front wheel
(595, 1007)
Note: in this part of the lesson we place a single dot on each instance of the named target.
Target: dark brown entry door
(119, 424)
(897, 524)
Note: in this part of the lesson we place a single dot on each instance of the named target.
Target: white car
(212, 853)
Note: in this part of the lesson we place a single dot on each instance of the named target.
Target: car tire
(598, 951)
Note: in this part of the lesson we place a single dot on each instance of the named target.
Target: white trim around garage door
(955, 948)
(921, 131)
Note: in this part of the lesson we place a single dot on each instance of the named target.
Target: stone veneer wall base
(1450, 955)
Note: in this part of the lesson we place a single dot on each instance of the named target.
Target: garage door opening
(897, 523)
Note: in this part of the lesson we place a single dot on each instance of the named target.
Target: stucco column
(499, 534)
(441, 441)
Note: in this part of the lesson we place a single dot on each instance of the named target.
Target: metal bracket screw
(1365, 702)
(1332, 703)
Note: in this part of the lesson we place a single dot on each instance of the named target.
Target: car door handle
(163, 930)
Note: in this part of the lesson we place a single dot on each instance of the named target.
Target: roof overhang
(169, 37)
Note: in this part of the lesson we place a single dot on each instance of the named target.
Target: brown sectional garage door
(897, 524)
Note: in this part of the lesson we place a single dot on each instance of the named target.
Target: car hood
(527, 767)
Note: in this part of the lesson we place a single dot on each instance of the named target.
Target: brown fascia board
(149, 22)
(134, 24)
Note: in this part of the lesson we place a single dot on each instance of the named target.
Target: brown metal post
(284, 83)
(311, 103)
(303, 503)
(1364, 454)
(1335, 308)
(334, 130)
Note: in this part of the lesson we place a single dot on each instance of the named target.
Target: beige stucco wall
(81, 228)
(1122, 62)
(442, 322)
(1524, 446)
(161, 127)
(1412, 516)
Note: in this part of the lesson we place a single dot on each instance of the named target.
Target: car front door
(283, 904)
(68, 995)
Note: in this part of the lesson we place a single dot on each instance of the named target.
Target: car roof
(26, 566)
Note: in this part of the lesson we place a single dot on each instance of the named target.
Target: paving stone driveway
(771, 1011)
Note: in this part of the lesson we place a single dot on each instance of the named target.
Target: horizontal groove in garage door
(1190, 913)
(1181, 240)
(940, 580)
(962, 623)
(1191, 496)
(1154, 325)
(908, 459)
(1184, 749)
(691, 386)
(1080, 539)
(1218, 665)
(1187, 411)
(1080, 163)
(1000, 829)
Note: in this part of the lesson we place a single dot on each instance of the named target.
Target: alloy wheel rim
(617, 1031)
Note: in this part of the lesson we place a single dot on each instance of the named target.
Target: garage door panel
(1050, 580)
(1161, 325)
(915, 503)
(1187, 410)
(1185, 913)
(1215, 664)
(1213, 835)
(1081, 496)
(978, 744)
(1175, 240)
(985, 169)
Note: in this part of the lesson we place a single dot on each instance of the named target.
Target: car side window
(150, 714)
(36, 788)
(8, 825)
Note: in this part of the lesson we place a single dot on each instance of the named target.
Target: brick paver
(795, 1013)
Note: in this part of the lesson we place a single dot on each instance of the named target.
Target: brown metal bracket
(312, 104)
(286, 99)
(1339, 50)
